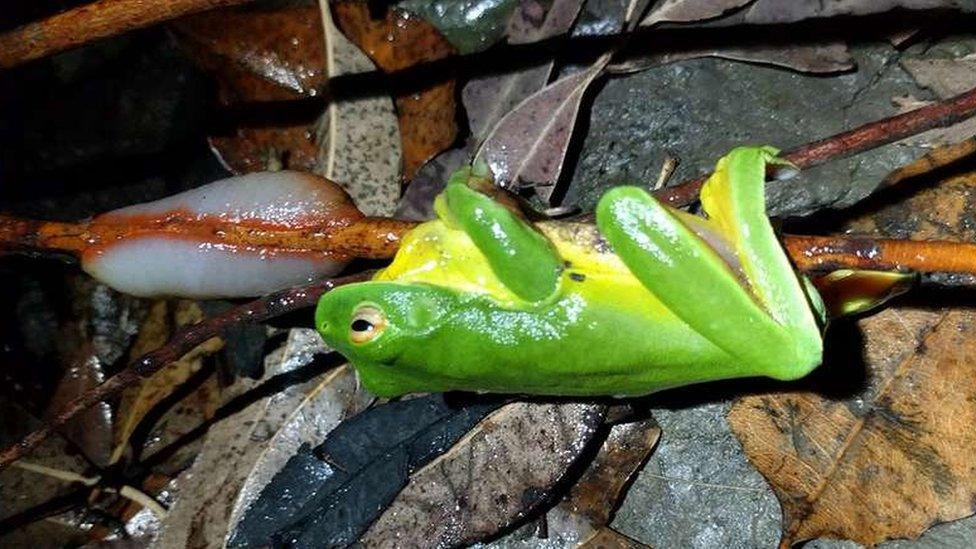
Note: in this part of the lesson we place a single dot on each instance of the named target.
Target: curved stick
(185, 340)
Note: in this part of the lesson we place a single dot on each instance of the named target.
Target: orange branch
(90, 22)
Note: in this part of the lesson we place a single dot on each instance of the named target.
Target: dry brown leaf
(396, 42)
(260, 56)
(138, 400)
(896, 457)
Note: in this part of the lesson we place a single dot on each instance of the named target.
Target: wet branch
(90, 22)
(863, 138)
(183, 342)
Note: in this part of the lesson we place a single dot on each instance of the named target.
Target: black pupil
(361, 325)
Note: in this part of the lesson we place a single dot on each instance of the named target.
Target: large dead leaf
(396, 42)
(260, 56)
(896, 457)
(492, 477)
(528, 146)
(359, 136)
(254, 412)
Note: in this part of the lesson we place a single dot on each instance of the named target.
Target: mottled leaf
(471, 26)
(396, 42)
(689, 10)
(889, 453)
(260, 56)
(497, 474)
(358, 136)
(528, 146)
(253, 412)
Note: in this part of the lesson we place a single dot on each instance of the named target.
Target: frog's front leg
(520, 256)
(764, 323)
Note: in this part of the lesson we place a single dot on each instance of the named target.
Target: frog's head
(374, 323)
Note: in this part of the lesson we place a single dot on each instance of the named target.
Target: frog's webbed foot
(520, 256)
(765, 321)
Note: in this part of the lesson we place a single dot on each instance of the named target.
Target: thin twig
(185, 340)
(87, 23)
(860, 139)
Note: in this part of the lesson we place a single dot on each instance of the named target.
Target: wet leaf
(946, 78)
(328, 496)
(689, 10)
(252, 413)
(396, 42)
(487, 98)
(496, 475)
(471, 26)
(528, 146)
(880, 450)
(337, 397)
(359, 136)
(260, 56)
(139, 400)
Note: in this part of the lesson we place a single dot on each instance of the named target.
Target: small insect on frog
(650, 298)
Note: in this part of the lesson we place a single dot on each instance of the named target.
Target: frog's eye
(367, 323)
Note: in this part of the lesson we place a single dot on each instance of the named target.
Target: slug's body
(651, 298)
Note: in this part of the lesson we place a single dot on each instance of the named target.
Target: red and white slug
(236, 237)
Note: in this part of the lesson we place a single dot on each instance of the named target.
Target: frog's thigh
(521, 257)
(690, 278)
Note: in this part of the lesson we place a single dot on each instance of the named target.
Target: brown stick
(185, 340)
(92, 21)
(860, 139)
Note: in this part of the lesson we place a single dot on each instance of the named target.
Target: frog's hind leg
(697, 285)
(520, 256)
